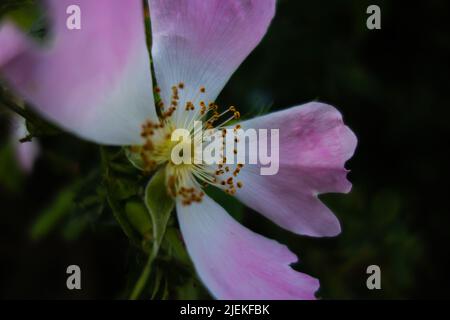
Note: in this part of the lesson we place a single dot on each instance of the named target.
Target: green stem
(13, 107)
(140, 284)
(42, 126)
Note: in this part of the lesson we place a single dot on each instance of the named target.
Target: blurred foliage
(27, 14)
(11, 177)
(86, 204)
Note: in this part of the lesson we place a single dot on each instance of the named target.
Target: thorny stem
(12, 106)
(29, 116)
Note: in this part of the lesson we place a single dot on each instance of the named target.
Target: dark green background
(391, 86)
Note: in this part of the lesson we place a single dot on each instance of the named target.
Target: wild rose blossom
(96, 82)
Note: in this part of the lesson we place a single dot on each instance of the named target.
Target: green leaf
(11, 178)
(21, 11)
(138, 217)
(122, 188)
(159, 205)
(189, 290)
(157, 284)
(119, 213)
(51, 216)
(174, 246)
(135, 159)
(72, 229)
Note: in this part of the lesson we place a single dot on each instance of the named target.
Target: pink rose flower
(96, 83)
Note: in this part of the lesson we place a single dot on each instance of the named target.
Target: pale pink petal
(96, 81)
(314, 146)
(236, 263)
(12, 43)
(27, 152)
(201, 43)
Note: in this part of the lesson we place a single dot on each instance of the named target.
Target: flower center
(186, 180)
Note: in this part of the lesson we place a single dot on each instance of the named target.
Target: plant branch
(140, 284)
(38, 126)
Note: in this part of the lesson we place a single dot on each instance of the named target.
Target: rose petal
(314, 146)
(236, 263)
(13, 42)
(96, 81)
(201, 43)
